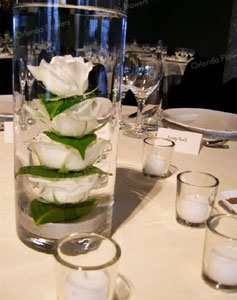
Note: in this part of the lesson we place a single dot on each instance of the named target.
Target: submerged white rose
(64, 191)
(64, 76)
(55, 155)
(78, 120)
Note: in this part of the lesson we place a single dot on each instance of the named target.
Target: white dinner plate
(212, 123)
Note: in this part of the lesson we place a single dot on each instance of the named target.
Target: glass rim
(198, 185)
(213, 230)
(120, 11)
(112, 261)
(146, 141)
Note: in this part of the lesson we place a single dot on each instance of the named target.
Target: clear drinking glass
(157, 157)
(65, 162)
(144, 77)
(219, 268)
(196, 194)
(86, 267)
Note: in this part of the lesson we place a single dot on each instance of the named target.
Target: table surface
(160, 258)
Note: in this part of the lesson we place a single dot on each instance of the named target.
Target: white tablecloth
(160, 258)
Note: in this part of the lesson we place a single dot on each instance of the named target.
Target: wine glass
(22, 76)
(144, 77)
(30, 81)
(22, 79)
(125, 88)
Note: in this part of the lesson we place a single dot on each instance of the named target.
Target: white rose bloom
(73, 190)
(78, 120)
(55, 155)
(64, 76)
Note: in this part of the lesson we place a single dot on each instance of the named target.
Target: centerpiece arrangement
(67, 69)
(63, 174)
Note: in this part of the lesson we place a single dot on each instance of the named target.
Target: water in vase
(67, 60)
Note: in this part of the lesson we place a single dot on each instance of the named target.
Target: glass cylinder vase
(67, 62)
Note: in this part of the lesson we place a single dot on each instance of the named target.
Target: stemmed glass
(30, 81)
(144, 77)
(22, 79)
(6, 43)
(22, 76)
(127, 72)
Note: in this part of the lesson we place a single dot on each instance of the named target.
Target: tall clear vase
(67, 61)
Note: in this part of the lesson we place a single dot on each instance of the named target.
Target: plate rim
(195, 128)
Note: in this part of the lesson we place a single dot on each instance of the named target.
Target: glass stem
(121, 122)
(29, 95)
(121, 105)
(140, 103)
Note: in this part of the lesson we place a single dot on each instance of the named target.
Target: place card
(8, 132)
(185, 141)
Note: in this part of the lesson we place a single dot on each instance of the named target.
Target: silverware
(217, 144)
(150, 112)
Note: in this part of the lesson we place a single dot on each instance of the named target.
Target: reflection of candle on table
(194, 208)
(81, 285)
(222, 266)
(155, 165)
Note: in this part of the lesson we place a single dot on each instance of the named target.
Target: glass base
(124, 126)
(217, 285)
(123, 289)
(162, 176)
(150, 126)
(35, 242)
(189, 224)
(42, 238)
(170, 172)
(137, 134)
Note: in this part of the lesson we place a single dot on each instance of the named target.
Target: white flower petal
(58, 156)
(64, 76)
(78, 120)
(64, 191)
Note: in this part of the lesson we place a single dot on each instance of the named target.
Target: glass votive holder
(219, 267)
(86, 267)
(195, 197)
(157, 156)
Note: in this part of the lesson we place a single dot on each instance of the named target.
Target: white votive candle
(82, 285)
(222, 266)
(194, 208)
(155, 165)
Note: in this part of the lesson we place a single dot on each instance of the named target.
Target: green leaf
(55, 108)
(42, 171)
(79, 144)
(47, 96)
(44, 213)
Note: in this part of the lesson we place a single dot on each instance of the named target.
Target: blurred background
(204, 26)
